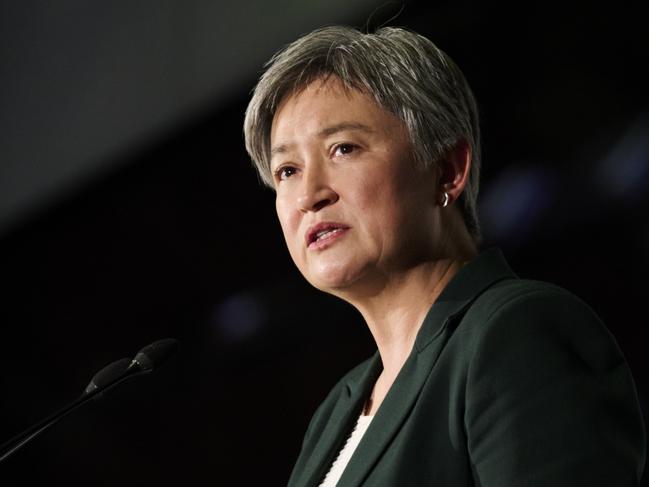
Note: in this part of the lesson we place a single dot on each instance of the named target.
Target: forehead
(329, 87)
(326, 103)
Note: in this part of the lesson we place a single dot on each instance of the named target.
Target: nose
(317, 192)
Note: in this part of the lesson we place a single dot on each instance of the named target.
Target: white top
(341, 461)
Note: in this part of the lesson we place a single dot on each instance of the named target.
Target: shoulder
(522, 335)
(523, 294)
(526, 313)
(546, 382)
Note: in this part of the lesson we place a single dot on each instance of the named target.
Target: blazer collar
(340, 423)
(471, 280)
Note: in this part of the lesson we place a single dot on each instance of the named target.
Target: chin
(332, 277)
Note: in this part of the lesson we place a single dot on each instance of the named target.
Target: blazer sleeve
(550, 400)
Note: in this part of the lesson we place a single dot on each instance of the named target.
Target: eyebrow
(326, 132)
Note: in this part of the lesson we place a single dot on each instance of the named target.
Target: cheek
(393, 206)
(380, 196)
(365, 191)
(289, 221)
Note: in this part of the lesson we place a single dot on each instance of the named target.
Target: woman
(371, 142)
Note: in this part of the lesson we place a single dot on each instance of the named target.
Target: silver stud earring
(446, 198)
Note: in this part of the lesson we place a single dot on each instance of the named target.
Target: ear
(454, 172)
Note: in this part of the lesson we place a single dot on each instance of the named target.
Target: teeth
(326, 233)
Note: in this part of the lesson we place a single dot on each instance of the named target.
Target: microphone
(154, 355)
(146, 360)
(108, 374)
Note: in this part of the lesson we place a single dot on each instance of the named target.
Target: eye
(284, 172)
(344, 149)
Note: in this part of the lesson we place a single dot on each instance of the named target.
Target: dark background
(170, 235)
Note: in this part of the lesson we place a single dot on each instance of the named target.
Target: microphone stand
(18, 441)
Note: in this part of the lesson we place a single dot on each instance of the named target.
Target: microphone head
(108, 374)
(155, 354)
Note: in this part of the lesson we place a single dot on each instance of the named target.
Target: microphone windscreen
(153, 355)
(108, 374)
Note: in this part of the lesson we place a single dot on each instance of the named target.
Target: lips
(324, 232)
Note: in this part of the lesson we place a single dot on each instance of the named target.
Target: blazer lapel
(341, 421)
(390, 416)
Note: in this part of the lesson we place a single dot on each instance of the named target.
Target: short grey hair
(403, 71)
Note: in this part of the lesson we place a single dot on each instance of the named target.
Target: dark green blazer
(510, 383)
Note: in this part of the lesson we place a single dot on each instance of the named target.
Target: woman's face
(354, 207)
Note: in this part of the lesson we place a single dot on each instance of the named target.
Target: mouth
(323, 233)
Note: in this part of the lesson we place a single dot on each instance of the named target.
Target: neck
(396, 310)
